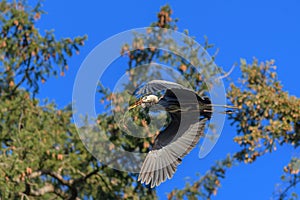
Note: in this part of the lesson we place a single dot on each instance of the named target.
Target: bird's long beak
(137, 103)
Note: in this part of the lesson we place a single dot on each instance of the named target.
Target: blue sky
(240, 29)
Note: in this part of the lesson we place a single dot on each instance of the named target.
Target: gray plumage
(158, 85)
(189, 113)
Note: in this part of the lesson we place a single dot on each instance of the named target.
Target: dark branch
(54, 175)
(292, 184)
(85, 177)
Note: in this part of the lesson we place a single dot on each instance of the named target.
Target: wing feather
(178, 139)
(161, 164)
(155, 86)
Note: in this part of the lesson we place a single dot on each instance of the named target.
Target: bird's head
(150, 99)
(145, 101)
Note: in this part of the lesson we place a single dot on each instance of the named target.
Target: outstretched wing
(179, 137)
(161, 163)
(158, 85)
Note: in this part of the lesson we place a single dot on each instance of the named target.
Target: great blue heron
(188, 112)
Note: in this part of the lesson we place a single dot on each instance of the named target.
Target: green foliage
(267, 115)
(41, 155)
(140, 70)
(34, 147)
(290, 179)
(267, 118)
(26, 55)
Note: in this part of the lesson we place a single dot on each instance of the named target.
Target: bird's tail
(224, 106)
(208, 107)
(217, 105)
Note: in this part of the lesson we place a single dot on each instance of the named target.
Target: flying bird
(188, 113)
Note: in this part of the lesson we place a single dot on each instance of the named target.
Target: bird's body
(188, 112)
(180, 113)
